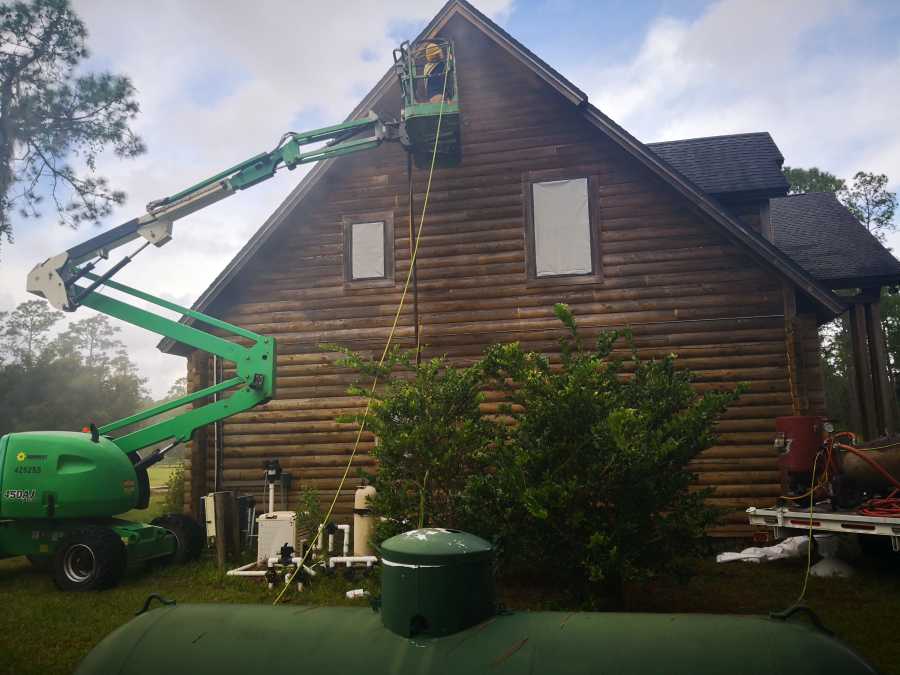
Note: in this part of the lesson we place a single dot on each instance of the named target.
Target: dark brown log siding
(670, 277)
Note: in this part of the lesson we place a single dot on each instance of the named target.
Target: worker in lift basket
(434, 72)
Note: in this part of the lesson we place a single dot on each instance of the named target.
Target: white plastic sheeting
(792, 547)
(562, 227)
(367, 250)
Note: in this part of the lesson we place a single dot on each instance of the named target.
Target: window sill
(567, 280)
(368, 283)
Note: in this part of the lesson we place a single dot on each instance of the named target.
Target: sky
(221, 80)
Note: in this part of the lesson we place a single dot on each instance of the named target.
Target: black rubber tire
(89, 559)
(42, 563)
(189, 534)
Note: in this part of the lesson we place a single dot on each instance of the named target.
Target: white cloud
(218, 81)
(784, 67)
(806, 71)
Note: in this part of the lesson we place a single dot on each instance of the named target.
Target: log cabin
(693, 244)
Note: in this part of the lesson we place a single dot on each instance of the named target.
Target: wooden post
(228, 536)
(234, 528)
(199, 365)
(884, 388)
(220, 500)
(863, 366)
(856, 421)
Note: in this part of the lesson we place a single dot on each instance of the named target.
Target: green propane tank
(437, 584)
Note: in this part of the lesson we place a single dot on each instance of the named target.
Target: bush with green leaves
(310, 513)
(597, 461)
(433, 443)
(584, 476)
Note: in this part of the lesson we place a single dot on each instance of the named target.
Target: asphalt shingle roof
(824, 238)
(723, 164)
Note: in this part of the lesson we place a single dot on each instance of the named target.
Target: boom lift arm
(420, 68)
(57, 279)
(61, 490)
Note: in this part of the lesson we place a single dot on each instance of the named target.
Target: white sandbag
(792, 547)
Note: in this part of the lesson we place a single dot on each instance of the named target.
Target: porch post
(856, 419)
(884, 388)
(862, 363)
(871, 389)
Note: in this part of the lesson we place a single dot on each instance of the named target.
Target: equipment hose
(387, 346)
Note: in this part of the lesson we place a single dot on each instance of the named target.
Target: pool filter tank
(363, 521)
(438, 616)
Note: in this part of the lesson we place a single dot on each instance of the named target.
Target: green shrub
(433, 443)
(310, 513)
(582, 479)
(174, 502)
(596, 465)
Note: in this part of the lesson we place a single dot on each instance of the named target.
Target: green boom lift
(61, 490)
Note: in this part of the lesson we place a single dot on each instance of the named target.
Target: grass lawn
(45, 631)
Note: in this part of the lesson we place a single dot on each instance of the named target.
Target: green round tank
(238, 640)
(437, 585)
(435, 582)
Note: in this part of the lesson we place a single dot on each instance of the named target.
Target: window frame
(387, 219)
(529, 178)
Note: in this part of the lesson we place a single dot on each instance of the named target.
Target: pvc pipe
(271, 497)
(244, 571)
(345, 529)
(349, 560)
(330, 542)
(250, 573)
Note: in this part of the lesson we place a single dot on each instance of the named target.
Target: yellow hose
(387, 346)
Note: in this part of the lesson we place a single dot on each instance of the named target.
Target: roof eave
(868, 281)
(743, 196)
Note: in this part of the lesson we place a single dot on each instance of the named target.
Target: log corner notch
(873, 402)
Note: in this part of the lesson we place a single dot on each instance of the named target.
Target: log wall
(667, 274)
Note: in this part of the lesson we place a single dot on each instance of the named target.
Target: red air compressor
(798, 439)
(864, 477)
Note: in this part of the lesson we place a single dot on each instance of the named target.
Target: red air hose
(889, 507)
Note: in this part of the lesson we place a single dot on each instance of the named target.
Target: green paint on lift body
(55, 482)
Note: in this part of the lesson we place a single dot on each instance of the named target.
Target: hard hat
(433, 52)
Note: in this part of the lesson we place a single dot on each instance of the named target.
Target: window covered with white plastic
(561, 228)
(367, 259)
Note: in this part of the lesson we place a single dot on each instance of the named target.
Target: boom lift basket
(430, 91)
